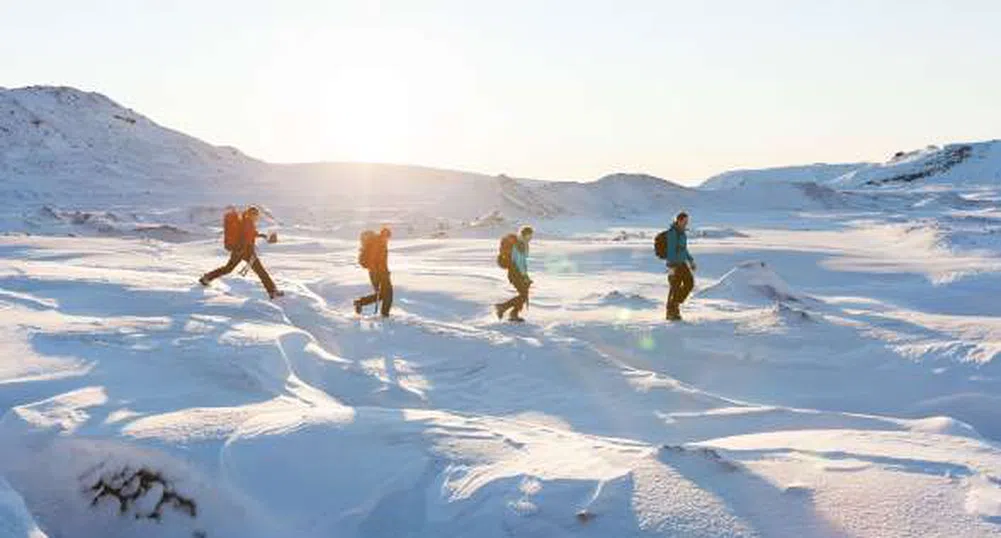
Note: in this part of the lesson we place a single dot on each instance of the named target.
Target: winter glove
(693, 266)
(273, 237)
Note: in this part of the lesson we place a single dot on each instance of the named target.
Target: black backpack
(365, 243)
(504, 255)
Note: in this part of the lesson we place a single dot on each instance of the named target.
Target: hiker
(680, 265)
(239, 236)
(514, 257)
(373, 255)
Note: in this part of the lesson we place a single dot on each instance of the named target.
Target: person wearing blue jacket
(680, 265)
(517, 275)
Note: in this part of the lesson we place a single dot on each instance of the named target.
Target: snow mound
(943, 426)
(984, 497)
(970, 407)
(490, 220)
(756, 283)
(51, 220)
(617, 298)
(717, 233)
(793, 315)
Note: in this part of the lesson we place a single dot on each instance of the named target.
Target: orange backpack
(232, 230)
(366, 247)
(504, 250)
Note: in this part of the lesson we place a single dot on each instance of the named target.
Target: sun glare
(366, 113)
(360, 95)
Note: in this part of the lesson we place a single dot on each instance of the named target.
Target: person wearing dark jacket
(680, 265)
(517, 275)
(378, 274)
(245, 251)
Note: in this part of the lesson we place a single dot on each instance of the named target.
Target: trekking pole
(247, 264)
(528, 294)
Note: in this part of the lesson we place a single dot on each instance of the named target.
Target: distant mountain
(74, 160)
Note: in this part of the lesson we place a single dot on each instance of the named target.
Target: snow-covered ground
(837, 375)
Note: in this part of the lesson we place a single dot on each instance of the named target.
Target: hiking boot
(499, 309)
(516, 318)
(357, 307)
(276, 294)
(202, 281)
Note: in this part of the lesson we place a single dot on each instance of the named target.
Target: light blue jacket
(677, 247)
(519, 257)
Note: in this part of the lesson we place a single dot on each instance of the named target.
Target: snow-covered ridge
(64, 151)
(963, 165)
(958, 165)
(812, 173)
(68, 156)
(59, 143)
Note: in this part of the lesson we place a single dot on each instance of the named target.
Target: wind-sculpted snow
(137, 403)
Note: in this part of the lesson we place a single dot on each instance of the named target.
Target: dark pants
(237, 256)
(516, 303)
(682, 282)
(383, 288)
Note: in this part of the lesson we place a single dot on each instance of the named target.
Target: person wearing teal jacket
(680, 265)
(517, 275)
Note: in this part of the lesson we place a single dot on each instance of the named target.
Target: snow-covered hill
(811, 173)
(958, 166)
(975, 165)
(77, 162)
(59, 143)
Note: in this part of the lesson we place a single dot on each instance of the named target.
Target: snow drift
(754, 282)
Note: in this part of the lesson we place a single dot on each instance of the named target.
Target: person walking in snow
(374, 256)
(515, 249)
(240, 233)
(680, 265)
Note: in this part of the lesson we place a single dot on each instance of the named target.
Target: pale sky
(534, 88)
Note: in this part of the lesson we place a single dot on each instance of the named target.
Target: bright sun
(367, 112)
(362, 95)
